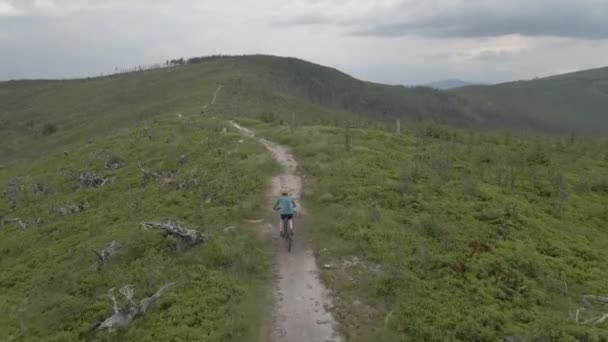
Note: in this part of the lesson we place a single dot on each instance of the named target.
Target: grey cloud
(69, 38)
(88, 44)
(587, 19)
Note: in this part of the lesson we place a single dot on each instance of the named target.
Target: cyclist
(287, 207)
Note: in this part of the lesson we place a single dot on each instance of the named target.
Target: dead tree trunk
(348, 138)
(123, 316)
(104, 255)
(184, 237)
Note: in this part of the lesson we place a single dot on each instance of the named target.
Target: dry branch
(114, 163)
(188, 183)
(587, 299)
(13, 189)
(164, 178)
(124, 315)
(40, 188)
(92, 180)
(590, 302)
(104, 255)
(168, 178)
(20, 224)
(184, 237)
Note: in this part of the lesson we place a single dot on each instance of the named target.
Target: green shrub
(434, 227)
(437, 132)
(49, 129)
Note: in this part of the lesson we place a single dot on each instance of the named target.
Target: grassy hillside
(436, 234)
(574, 102)
(333, 89)
(443, 234)
(50, 289)
(37, 117)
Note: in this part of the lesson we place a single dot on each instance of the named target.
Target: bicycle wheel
(287, 234)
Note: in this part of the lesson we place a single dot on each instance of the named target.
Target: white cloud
(7, 9)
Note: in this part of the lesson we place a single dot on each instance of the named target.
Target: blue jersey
(286, 205)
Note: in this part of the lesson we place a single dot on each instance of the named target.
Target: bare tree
(104, 255)
(124, 315)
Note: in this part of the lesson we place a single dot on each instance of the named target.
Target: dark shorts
(286, 216)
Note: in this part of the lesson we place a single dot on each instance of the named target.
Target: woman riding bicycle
(286, 206)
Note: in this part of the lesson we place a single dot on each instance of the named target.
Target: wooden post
(398, 126)
(348, 142)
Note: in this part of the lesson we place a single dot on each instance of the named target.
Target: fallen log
(20, 224)
(591, 302)
(184, 237)
(587, 299)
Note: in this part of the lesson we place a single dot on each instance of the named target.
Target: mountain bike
(287, 234)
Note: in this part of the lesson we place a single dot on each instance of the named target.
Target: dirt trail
(302, 300)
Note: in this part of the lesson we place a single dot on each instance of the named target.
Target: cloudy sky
(391, 41)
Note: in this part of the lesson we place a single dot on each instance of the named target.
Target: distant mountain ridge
(450, 83)
(574, 102)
